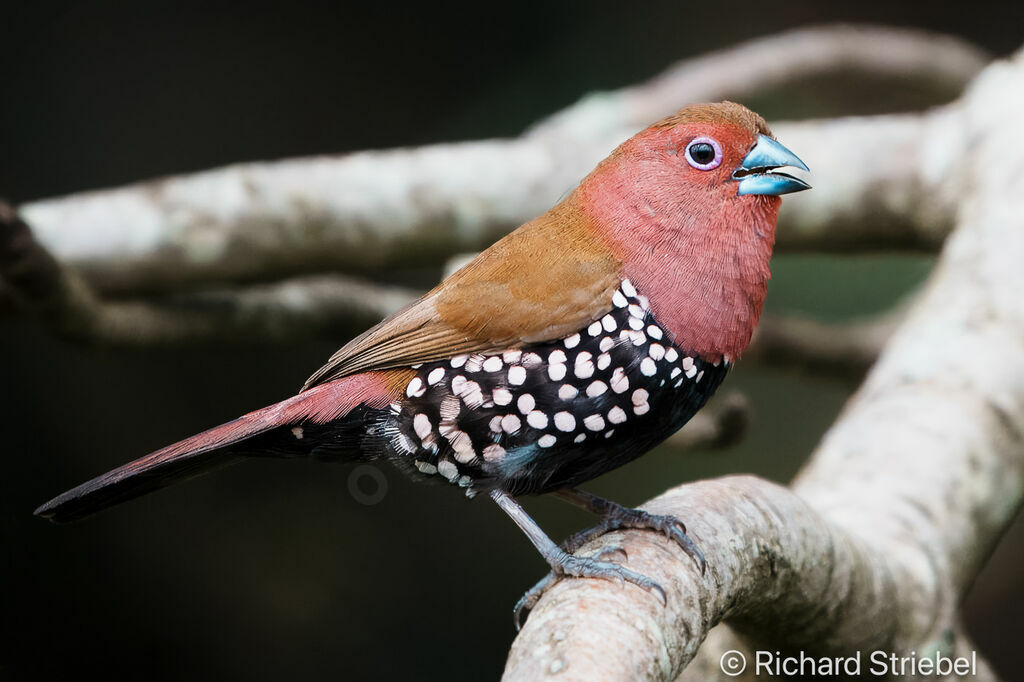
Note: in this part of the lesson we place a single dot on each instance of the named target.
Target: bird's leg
(614, 517)
(562, 563)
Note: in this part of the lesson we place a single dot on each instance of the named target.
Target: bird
(568, 348)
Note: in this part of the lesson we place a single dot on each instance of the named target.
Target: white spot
(608, 433)
(565, 421)
(606, 344)
(458, 384)
(494, 453)
(546, 441)
(654, 331)
(448, 470)
(556, 356)
(647, 367)
(531, 360)
(638, 338)
(537, 419)
(626, 335)
(635, 323)
(572, 341)
(687, 363)
(644, 302)
(619, 380)
(421, 425)
(580, 438)
(495, 424)
(510, 423)
(465, 481)
(463, 447)
(426, 468)
(516, 375)
(608, 322)
(636, 311)
(585, 369)
(416, 388)
(435, 375)
(450, 408)
(640, 396)
(474, 363)
(594, 422)
(501, 396)
(567, 392)
(594, 329)
(459, 361)
(526, 403)
(700, 375)
(492, 364)
(656, 351)
(643, 408)
(511, 356)
(604, 360)
(597, 388)
(556, 371)
(675, 372)
(298, 433)
(618, 299)
(628, 288)
(472, 394)
(416, 366)
(690, 373)
(671, 355)
(616, 415)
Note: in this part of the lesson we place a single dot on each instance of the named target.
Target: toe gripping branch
(564, 563)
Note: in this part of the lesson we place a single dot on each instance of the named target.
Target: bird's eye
(703, 153)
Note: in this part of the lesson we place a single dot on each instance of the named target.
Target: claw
(584, 567)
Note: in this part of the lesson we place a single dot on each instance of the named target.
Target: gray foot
(583, 567)
(618, 517)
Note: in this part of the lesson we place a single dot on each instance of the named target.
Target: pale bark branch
(364, 211)
(875, 543)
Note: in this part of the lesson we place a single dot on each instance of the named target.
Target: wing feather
(526, 288)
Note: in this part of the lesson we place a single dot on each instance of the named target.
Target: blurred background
(273, 570)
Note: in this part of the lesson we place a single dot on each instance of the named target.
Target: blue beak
(755, 173)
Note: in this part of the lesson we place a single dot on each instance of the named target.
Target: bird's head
(689, 205)
(706, 158)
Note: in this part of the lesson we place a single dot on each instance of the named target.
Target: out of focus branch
(283, 311)
(370, 210)
(722, 423)
(840, 349)
(765, 64)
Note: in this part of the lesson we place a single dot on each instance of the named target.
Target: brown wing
(549, 278)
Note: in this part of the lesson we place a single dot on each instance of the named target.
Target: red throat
(699, 252)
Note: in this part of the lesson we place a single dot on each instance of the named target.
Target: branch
(283, 311)
(721, 424)
(371, 210)
(881, 534)
(840, 349)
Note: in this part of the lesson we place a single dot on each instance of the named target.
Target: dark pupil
(703, 153)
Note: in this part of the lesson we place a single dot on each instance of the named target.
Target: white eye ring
(714, 163)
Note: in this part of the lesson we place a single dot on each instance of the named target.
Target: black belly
(552, 415)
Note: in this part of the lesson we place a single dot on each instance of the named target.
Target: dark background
(271, 570)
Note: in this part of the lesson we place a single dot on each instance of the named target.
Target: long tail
(256, 433)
